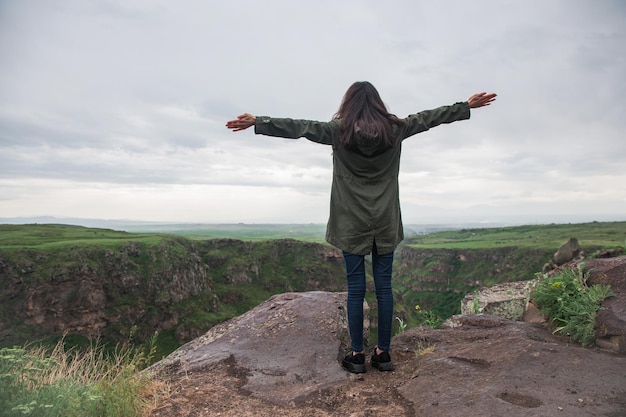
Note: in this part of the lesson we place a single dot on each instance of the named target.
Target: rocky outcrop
(489, 366)
(288, 347)
(512, 300)
(508, 300)
(567, 251)
(282, 358)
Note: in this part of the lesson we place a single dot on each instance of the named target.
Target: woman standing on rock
(364, 201)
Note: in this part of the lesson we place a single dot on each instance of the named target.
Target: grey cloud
(138, 92)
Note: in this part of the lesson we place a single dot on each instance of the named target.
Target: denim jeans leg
(382, 266)
(355, 274)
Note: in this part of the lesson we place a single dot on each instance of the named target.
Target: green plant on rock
(570, 303)
(475, 304)
(428, 317)
(401, 325)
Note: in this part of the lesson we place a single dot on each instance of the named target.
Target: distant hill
(245, 231)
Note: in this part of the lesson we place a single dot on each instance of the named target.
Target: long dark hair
(362, 109)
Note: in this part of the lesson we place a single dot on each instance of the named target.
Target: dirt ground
(218, 392)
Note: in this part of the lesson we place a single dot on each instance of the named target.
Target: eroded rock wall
(95, 291)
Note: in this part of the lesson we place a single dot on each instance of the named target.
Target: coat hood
(368, 143)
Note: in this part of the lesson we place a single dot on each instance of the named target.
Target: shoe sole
(355, 368)
(383, 366)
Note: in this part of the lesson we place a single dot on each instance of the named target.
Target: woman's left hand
(242, 122)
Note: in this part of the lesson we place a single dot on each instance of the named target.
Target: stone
(507, 300)
(532, 314)
(567, 252)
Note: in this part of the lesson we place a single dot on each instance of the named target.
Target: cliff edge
(282, 359)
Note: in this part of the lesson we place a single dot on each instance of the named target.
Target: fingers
(481, 99)
(243, 121)
(236, 125)
(487, 99)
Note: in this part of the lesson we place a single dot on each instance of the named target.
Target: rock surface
(567, 251)
(611, 319)
(282, 359)
(507, 300)
(287, 347)
(490, 366)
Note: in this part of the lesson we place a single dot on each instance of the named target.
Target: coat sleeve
(320, 132)
(422, 121)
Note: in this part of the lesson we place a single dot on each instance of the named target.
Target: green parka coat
(364, 198)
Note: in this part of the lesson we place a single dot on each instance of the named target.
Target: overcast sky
(116, 109)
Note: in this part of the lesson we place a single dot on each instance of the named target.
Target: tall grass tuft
(93, 382)
(570, 303)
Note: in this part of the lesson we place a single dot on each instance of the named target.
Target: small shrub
(570, 303)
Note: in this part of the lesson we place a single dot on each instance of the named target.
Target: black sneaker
(382, 362)
(354, 363)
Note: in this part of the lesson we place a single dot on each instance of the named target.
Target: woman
(364, 201)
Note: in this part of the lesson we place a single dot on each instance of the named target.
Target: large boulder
(288, 347)
(567, 252)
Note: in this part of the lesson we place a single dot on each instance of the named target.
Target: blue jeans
(355, 273)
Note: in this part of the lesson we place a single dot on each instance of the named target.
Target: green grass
(247, 232)
(42, 236)
(83, 383)
(609, 234)
(51, 236)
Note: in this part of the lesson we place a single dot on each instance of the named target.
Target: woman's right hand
(242, 122)
(481, 99)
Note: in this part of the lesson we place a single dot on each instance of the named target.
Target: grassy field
(47, 236)
(42, 236)
(608, 235)
(241, 231)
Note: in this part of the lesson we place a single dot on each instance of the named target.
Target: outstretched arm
(481, 100)
(242, 122)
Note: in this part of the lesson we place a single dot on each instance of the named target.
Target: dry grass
(89, 382)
